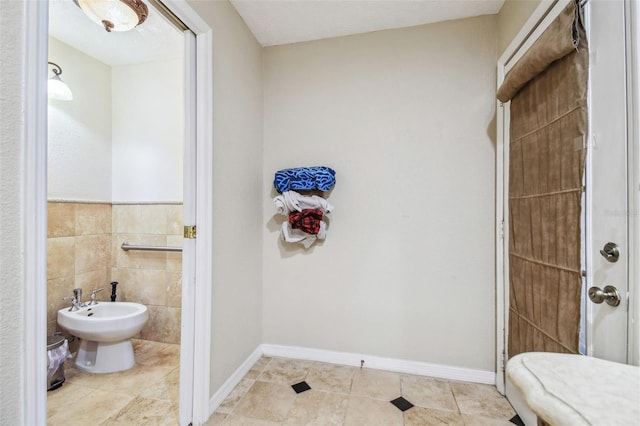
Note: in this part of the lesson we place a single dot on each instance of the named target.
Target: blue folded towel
(305, 178)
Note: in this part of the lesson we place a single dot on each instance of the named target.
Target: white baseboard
(344, 358)
(228, 386)
(381, 363)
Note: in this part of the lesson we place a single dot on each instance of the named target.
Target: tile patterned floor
(275, 392)
(272, 393)
(147, 394)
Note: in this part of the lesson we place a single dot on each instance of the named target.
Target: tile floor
(147, 394)
(324, 394)
(340, 395)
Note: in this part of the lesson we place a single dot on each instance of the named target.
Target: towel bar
(127, 247)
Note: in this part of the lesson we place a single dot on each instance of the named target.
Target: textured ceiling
(154, 40)
(289, 21)
(271, 21)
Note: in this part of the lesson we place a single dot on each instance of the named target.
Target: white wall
(121, 137)
(512, 16)
(405, 117)
(148, 131)
(237, 190)
(12, 140)
(80, 130)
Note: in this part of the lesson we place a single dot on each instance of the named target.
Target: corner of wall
(237, 188)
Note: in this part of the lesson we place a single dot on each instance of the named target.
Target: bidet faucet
(76, 300)
(92, 300)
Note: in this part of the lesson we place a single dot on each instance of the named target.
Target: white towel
(322, 233)
(281, 205)
(291, 201)
(291, 235)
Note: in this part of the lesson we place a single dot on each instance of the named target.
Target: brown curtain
(547, 89)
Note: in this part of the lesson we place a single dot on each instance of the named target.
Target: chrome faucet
(92, 300)
(76, 300)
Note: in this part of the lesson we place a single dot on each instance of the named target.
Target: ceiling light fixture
(115, 15)
(57, 88)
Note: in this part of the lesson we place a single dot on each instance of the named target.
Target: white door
(188, 244)
(606, 183)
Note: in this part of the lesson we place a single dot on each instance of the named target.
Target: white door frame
(36, 36)
(539, 20)
(633, 71)
(34, 303)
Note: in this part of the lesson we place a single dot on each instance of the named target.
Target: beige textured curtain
(547, 89)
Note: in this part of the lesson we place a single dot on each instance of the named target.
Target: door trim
(36, 34)
(34, 301)
(633, 120)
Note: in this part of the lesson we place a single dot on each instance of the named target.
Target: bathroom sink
(105, 322)
(105, 331)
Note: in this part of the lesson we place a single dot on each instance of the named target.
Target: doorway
(606, 178)
(194, 392)
(115, 177)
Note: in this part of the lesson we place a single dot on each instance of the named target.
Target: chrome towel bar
(127, 247)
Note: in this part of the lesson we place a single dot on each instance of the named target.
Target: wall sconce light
(58, 89)
(115, 15)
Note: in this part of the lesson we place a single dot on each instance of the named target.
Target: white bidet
(106, 330)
